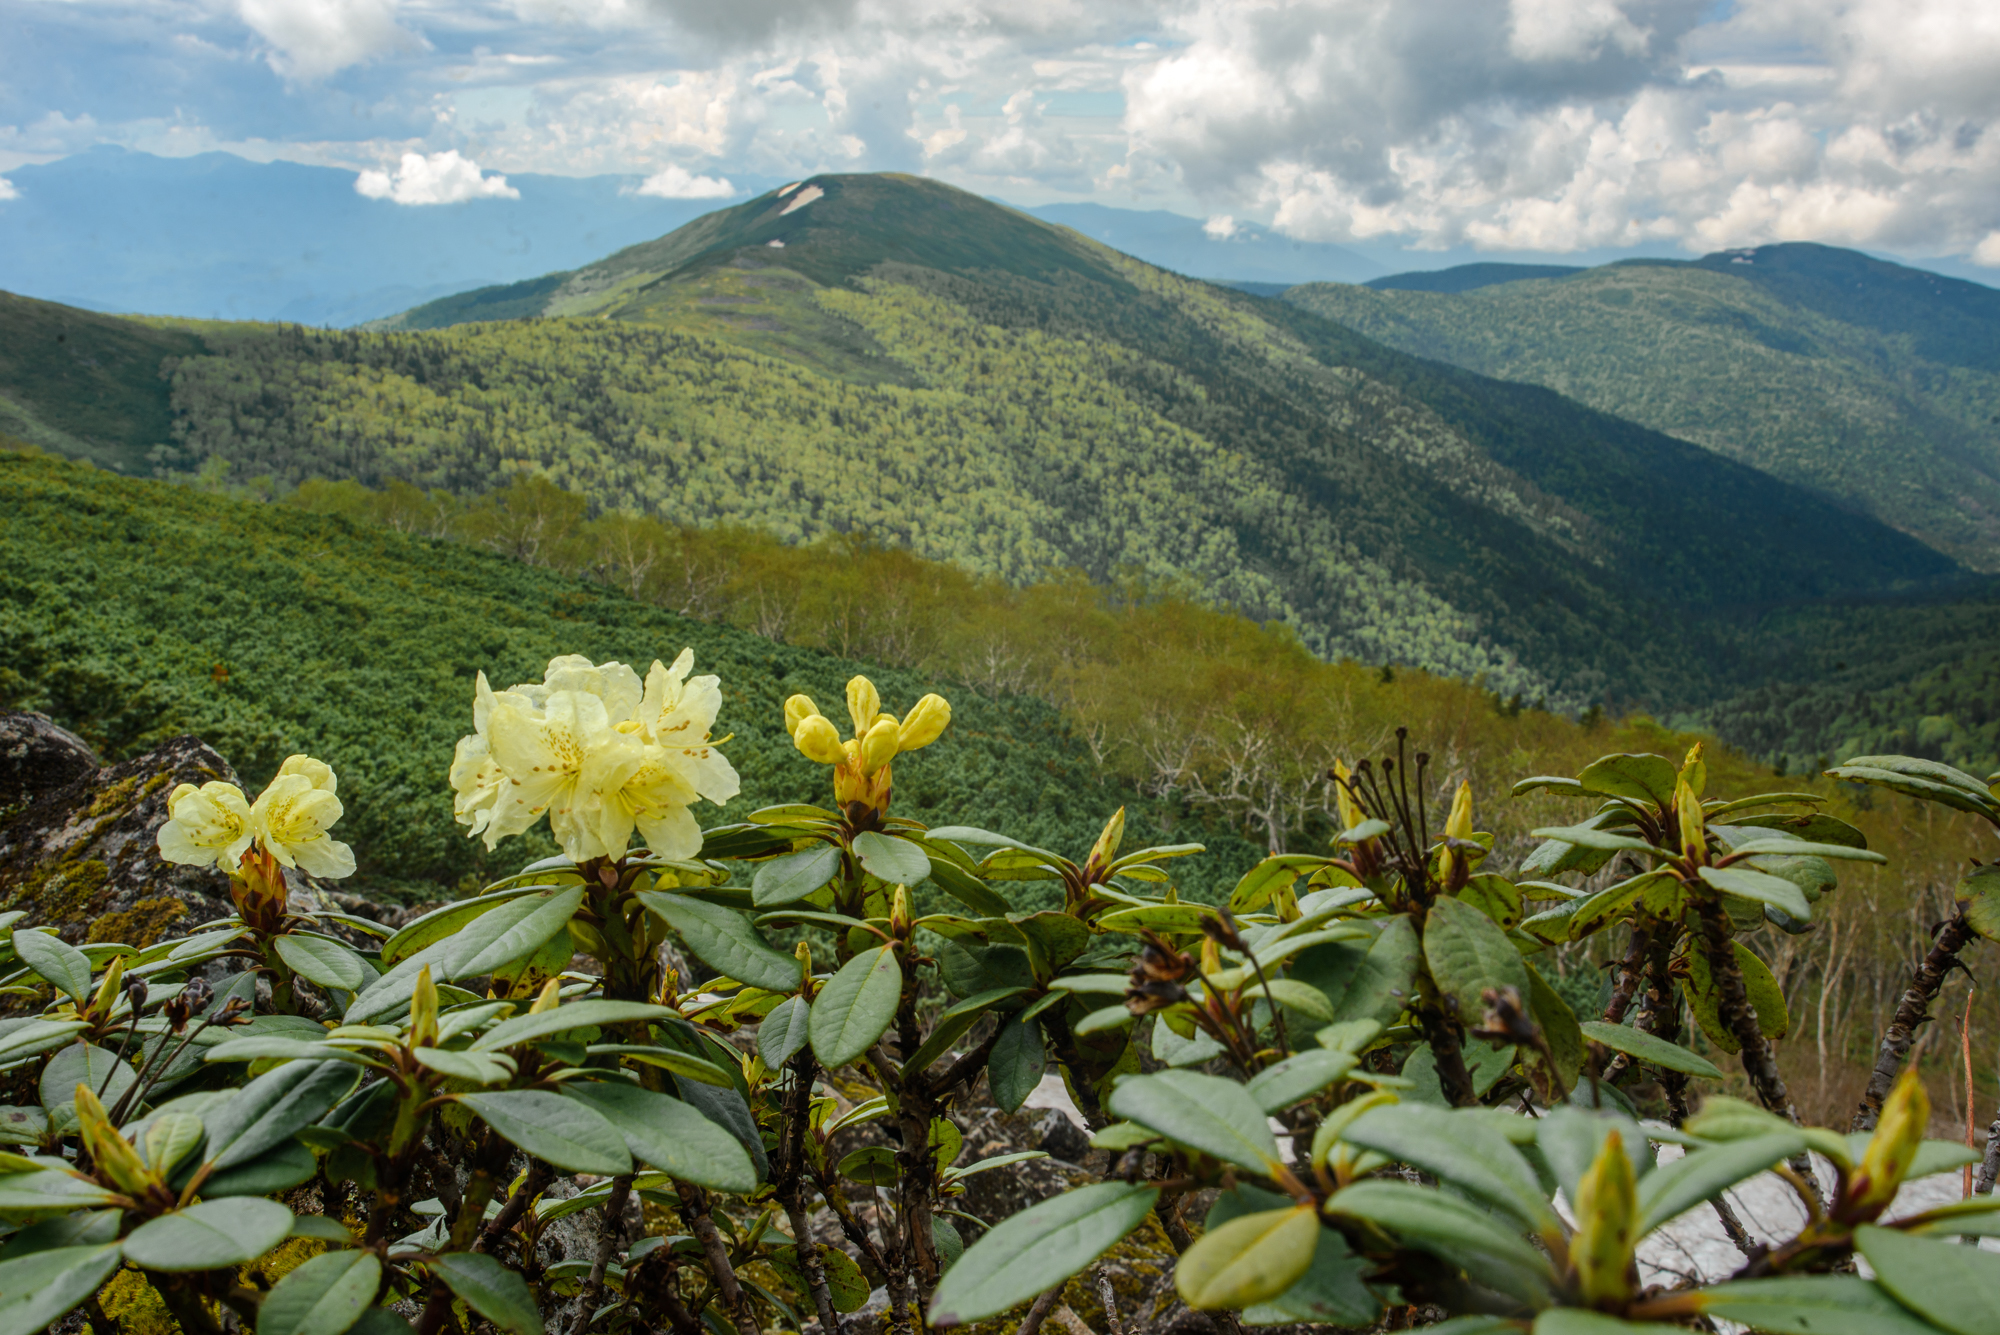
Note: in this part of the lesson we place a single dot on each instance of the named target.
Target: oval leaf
(897, 861)
(490, 1289)
(854, 1009)
(561, 1131)
(1248, 1260)
(209, 1235)
(670, 1135)
(1038, 1248)
(725, 939)
(1951, 1286)
(511, 932)
(789, 879)
(324, 1296)
(327, 963)
(1650, 1048)
(56, 960)
(784, 1031)
(1203, 1112)
(1468, 953)
(36, 1289)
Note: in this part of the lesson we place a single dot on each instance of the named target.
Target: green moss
(113, 795)
(60, 894)
(141, 925)
(135, 1307)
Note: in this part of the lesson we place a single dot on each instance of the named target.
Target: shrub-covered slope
(984, 388)
(133, 611)
(1872, 383)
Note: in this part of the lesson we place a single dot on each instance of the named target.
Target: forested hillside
(986, 389)
(133, 611)
(1869, 382)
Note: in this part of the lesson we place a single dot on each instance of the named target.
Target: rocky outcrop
(77, 837)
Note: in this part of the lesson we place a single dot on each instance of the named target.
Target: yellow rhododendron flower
(209, 824)
(291, 818)
(862, 762)
(598, 752)
(316, 772)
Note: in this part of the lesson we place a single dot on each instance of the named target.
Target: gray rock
(78, 843)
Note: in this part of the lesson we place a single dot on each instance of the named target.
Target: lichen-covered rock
(78, 846)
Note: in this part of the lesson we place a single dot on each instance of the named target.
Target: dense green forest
(947, 375)
(1865, 380)
(133, 611)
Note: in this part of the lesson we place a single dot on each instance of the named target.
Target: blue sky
(1509, 127)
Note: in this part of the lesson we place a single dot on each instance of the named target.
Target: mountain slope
(982, 387)
(1869, 382)
(296, 631)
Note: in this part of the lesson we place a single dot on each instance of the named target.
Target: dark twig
(1914, 1010)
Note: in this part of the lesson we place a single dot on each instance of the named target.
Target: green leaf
(1588, 916)
(479, 1068)
(1648, 1048)
(1203, 1112)
(968, 889)
(1038, 1248)
(440, 924)
(280, 1168)
(1553, 783)
(1798, 848)
(270, 1109)
(1559, 1030)
(36, 1289)
(1098, 1021)
(725, 940)
(1671, 1190)
(1468, 953)
(873, 1165)
(490, 1289)
(209, 1235)
(324, 1296)
(1602, 841)
(1495, 896)
(670, 1135)
(1016, 1064)
(1278, 1087)
(1249, 1260)
(511, 932)
(38, 1036)
(1766, 998)
(856, 1006)
(1979, 894)
(1910, 785)
(1779, 893)
(1369, 984)
(389, 995)
(168, 1137)
(1948, 1285)
(955, 1022)
(560, 1131)
(1645, 779)
(55, 960)
(1461, 1148)
(667, 1059)
(1300, 998)
(82, 1064)
(1577, 1321)
(55, 1190)
(897, 861)
(789, 879)
(281, 1049)
(327, 963)
(1333, 1290)
(1930, 770)
(1455, 1231)
(1570, 1139)
(575, 1015)
(1158, 918)
(1810, 1305)
(783, 1032)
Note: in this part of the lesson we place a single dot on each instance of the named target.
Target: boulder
(78, 844)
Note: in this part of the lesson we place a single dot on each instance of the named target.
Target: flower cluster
(861, 763)
(598, 752)
(216, 824)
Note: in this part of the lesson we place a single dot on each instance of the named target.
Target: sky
(1552, 127)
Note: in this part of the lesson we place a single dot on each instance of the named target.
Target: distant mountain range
(888, 354)
(1873, 383)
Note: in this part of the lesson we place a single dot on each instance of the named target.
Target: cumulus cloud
(1561, 125)
(311, 39)
(433, 178)
(677, 182)
(7, 190)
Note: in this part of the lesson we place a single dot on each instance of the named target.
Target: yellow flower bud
(1607, 1214)
(1694, 829)
(1106, 847)
(112, 1154)
(878, 748)
(818, 741)
(899, 911)
(797, 710)
(864, 702)
(1694, 770)
(926, 721)
(549, 998)
(1891, 1149)
(1350, 811)
(1459, 824)
(424, 1011)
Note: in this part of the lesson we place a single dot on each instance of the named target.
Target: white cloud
(677, 182)
(1220, 227)
(314, 38)
(1987, 252)
(7, 190)
(434, 178)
